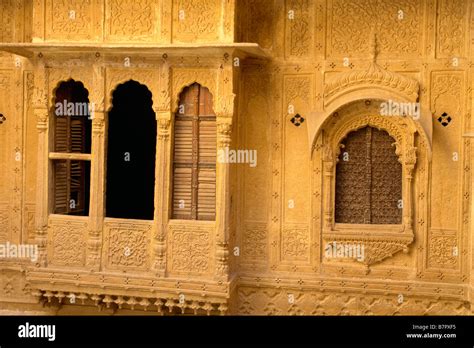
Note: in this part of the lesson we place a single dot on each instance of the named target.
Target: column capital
(41, 115)
(163, 128)
(224, 133)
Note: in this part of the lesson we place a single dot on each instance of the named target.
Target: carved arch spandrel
(374, 83)
(58, 75)
(115, 77)
(182, 78)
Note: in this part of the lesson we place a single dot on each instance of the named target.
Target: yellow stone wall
(144, 21)
(280, 266)
(282, 248)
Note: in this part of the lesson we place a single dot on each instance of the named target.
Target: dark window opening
(131, 153)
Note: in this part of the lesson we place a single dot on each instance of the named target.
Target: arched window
(368, 179)
(72, 142)
(194, 156)
(131, 153)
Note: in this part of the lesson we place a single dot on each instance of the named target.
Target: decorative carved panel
(451, 28)
(68, 242)
(190, 248)
(254, 242)
(70, 19)
(268, 300)
(443, 249)
(299, 30)
(128, 244)
(196, 20)
(351, 23)
(295, 243)
(131, 20)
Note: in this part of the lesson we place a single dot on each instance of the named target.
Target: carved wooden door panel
(368, 179)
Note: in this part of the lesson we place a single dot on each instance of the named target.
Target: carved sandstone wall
(282, 217)
(279, 214)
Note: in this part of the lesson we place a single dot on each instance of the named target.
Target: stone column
(97, 191)
(409, 163)
(328, 172)
(42, 184)
(97, 182)
(40, 104)
(224, 131)
(162, 189)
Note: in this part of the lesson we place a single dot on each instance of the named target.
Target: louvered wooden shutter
(61, 141)
(194, 167)
(61, 187)
(78, 135)
(71, 135)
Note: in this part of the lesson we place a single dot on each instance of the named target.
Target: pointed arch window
(194, 156)
(70, 155)
(131, 149)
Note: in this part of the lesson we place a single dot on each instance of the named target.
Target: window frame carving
(380, 241)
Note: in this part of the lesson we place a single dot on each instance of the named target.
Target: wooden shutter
(194, 167)
(71, 135)
(70, 183)
(78, 134)
(61, 187)
(61, 134)
(368, 179)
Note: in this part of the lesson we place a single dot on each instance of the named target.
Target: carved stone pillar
(40, 104)
(162, 188)
(42, 213)
(96, 211)
(224, 131)
(328, 172)
(98, 164)
(409, 162)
